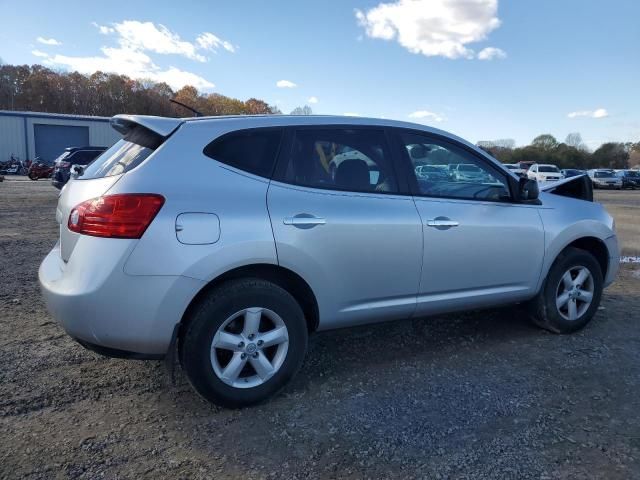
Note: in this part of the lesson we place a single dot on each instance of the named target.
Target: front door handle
(304, 221)
(442, 223)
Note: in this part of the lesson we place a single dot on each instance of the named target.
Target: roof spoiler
(162, 126)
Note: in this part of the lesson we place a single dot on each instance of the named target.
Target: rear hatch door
(141, 137)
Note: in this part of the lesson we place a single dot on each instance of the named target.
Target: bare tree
(306, 110)
(575, 140)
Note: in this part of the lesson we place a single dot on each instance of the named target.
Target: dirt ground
(479, 395)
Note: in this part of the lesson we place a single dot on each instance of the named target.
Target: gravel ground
(479, 395)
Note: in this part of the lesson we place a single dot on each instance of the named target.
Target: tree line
(37, 88)
(40, 89)
(572, 153)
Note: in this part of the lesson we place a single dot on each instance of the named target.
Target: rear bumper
(107, 310)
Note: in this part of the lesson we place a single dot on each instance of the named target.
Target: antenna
(198, 114)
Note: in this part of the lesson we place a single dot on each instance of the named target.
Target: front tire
(571, 293)
(243, 342)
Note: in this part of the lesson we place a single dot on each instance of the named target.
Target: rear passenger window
(356, 160)
(253, 151)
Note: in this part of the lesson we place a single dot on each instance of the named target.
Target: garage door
(51, 140)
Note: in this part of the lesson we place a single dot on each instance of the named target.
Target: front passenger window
(443, 169)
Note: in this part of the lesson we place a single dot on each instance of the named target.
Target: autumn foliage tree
(37, 88)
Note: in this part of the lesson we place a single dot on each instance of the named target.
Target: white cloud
(208, 41)
(285, 84)
(135, 41)
(491, 53)
(39, 53)
(136, 35)
(312, 100)
(597, 113)
(133, 63)
(426, 115)
(103, 29)
(48, 41)
(432, 27)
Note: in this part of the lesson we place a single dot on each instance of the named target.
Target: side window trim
(412, 181)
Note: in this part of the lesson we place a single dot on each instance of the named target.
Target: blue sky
(483, 69)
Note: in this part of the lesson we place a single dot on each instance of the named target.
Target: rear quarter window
(253, 151)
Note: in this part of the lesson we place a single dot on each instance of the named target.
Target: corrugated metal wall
(14, 139)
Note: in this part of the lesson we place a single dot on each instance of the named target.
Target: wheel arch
(591, 244)
(283, 277)
(595, 247)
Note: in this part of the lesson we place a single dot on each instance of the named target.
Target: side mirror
(528, 190)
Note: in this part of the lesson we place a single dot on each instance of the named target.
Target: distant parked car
(431, 172)
(71, 157)
(572, 172)
(630, 178)
(544, 173)
(525, 165)
(515, 168)
(468, 172)
(603, 178)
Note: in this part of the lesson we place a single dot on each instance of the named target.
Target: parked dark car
(71, 157)
(572, 172)
(630, 178)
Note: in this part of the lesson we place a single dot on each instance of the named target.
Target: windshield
(468, 168)
(632, 173)
(548, 169)
(603, 174)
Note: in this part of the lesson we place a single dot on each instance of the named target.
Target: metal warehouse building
(27, 135)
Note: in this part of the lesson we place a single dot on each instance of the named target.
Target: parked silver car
(255, 242)
(605, 178)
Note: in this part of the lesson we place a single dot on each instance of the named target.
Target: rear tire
(571, 293)
(229, 348)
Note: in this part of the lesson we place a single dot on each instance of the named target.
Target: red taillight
(115, 216)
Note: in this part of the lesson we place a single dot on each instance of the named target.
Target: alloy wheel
(574, 293)
(249, 347)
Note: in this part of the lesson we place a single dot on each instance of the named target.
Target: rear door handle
(442, 223)
(304, 221)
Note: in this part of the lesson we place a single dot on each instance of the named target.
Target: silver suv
(229, 240)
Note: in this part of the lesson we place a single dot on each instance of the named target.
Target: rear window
(548, 169)
(253, 151)
(83, 157)
(124, 155)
